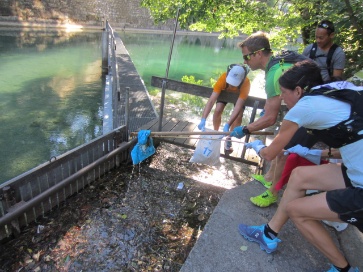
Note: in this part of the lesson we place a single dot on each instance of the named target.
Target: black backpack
(287, 56)
(345, 132)
(329, 57)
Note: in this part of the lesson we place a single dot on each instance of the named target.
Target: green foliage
(286, 21)
(191, 80)
(154, 92)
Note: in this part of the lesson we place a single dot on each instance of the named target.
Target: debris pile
(137, 218)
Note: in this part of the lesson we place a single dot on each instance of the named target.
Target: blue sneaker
(352, 269)
(255, 234)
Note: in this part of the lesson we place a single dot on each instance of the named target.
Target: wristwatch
(245, 130)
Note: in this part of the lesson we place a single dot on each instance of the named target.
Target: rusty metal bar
(7, 218)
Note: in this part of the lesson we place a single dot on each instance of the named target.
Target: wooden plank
(203, 91)
(187, 141)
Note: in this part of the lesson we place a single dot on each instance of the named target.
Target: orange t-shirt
(222, 85)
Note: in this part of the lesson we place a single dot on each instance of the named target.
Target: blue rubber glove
(257, 145)
(313, 155)
(237, 132)
(226, 128)
(201, 125)
(262, 113)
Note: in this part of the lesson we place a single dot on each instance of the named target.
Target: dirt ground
(143, 218)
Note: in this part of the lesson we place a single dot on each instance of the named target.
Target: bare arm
(272, 108)
(236, 110)
(208, 107)
(338, 73)
(284, 136)
(335, 153)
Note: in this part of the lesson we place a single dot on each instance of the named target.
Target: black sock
(344, 269)
(269, 232)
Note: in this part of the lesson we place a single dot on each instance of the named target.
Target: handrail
(112, 84)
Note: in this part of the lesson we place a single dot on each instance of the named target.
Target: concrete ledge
(219, 246)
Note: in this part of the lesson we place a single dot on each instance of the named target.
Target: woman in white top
(342, 185)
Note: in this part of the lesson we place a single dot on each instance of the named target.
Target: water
(51, 86)
(50, 95)
(203, 56)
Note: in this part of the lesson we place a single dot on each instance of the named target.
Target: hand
(226, 128)
(237, 132)
(313, 155)
(201, 125)
(257, 145)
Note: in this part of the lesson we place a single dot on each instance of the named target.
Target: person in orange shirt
(234, 80)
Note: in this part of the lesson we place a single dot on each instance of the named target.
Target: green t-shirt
(272, 87)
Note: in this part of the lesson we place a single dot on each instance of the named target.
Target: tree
(284, 20)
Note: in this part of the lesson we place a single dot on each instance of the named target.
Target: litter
(145, 148)
(207, 150)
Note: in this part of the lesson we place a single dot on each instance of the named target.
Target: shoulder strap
(313, 51)
(329, 58)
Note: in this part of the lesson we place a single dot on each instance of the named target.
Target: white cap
(236, 75)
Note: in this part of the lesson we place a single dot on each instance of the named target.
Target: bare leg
(280, 164)
(306, 211)
(269, 176)
(217, 115)
(238, 120)
(306, 214)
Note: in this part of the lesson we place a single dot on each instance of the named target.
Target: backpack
(347, 131)
(329, 57)
(287, 56)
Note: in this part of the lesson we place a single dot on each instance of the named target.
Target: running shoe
(228, 144)
(261, 179)
(352, 269)
(256, 234)
(264, 200)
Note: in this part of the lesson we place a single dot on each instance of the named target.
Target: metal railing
(26, 197)
(34, 193)
(112, 97)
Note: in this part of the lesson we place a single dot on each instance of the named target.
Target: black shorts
(303, 138)
(347, 203)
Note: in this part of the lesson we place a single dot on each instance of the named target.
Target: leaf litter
(135, 218)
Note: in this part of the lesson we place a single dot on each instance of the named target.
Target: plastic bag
(207, 150)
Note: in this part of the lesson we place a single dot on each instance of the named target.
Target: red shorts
(292, 161)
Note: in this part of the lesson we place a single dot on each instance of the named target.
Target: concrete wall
(120, 13)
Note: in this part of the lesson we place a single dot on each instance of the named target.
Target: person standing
(329, 56)
(234, 80)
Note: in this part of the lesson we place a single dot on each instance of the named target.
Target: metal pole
(127, 109)
(167, 74)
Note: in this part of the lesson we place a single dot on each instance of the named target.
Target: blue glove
(257, 145)
(262, 113)
(201, 125)
(237, 132)
(226, 128)
(313, 155)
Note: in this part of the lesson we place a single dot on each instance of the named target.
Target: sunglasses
(326, 26)
(248, 56)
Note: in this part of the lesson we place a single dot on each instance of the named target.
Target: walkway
(141, 109)
(221, 248)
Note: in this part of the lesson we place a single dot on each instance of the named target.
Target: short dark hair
(328, 25)
(305, 74)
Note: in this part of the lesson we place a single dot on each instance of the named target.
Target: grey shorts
(347, 203)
